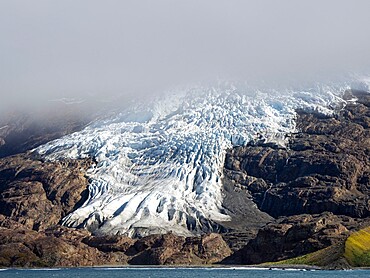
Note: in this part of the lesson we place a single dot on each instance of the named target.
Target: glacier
(159, 163)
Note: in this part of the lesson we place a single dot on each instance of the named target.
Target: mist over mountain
(94, 50)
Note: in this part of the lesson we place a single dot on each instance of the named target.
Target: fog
(100, 49)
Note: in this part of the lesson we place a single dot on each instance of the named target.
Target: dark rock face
(57, 246)
(317, 186)
(294, 236)
(173, 250)
(246, 218)
(61, 246)
(39, 194)
(325, 167)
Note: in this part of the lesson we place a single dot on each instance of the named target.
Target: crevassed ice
(159, 164)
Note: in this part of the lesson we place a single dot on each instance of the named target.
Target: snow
(159, 165)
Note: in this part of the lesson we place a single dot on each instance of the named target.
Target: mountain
(159, 166)
(263, 168)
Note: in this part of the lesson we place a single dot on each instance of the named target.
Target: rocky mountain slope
(354, 251)
(317, 186)
(38, 194)
(282, 201)
(325, 167)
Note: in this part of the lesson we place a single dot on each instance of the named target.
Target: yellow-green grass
(321, 257)
(357, 248)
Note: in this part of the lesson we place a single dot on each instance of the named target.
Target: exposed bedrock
(317, 186)
(62, 246)
(58, 246)
(170, 249)
(324, 167)
(293, 236)
(39, 194)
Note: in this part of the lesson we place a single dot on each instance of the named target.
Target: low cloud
(100, 49)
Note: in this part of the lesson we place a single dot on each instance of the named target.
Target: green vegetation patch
(357, 248)
(321, 257)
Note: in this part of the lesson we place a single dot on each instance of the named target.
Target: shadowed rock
(324, 167)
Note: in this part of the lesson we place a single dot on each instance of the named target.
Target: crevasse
(159, 164)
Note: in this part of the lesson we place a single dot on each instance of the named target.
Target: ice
(159, 164)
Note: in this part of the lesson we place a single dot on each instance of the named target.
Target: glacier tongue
(159, 165)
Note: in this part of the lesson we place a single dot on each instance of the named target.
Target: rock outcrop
(324, 167)
(317, 186)
(56, 246)
(170, 249)
(38, 193)
(293, 236)
(62, 246)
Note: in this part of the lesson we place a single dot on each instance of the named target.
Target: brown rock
(173, 250)
(294, 236)
(59, 247)
(110, 243)
(38, 193)
(325, 167)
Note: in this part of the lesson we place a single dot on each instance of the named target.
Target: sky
(98, 49)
